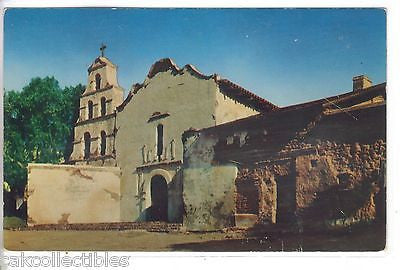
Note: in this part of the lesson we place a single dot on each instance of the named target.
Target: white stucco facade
(178, 102)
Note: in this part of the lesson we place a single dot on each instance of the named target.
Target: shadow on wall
(348, 203)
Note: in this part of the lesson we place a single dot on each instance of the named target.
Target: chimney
(361, 82)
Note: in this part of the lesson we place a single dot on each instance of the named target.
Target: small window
(98, 81)
(314, 163)
(103, 143)
(90, 109)
(87, 144)
(103, 106)
(160, 140)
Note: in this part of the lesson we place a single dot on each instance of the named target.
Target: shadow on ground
(372, 238)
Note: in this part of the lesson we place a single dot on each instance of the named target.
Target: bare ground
(364, 239)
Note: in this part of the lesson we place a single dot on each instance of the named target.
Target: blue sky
(287, 56)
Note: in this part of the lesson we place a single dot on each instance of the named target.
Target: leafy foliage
(38, 126)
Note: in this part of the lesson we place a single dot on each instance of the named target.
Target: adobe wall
(341, 186)
(328, 173)
(208, 188)
(63, 194)
(337, 173)
(345, 182)
(256, 193)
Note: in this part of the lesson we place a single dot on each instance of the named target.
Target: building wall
(178, 102)
(228, 110)
(190, 103)
(208, 189)
(344, 183)
(60, 194)
(256, 194)
(329, 173)
(94, 128)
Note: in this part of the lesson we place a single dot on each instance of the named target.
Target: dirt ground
(367, 239)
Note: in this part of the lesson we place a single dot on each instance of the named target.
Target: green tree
(71, 98)
(38, 126)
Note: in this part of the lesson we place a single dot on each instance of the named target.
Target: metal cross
(102, 49)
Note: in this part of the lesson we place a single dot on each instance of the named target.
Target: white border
(309, 260)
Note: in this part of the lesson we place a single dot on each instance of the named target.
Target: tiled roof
(302, 110)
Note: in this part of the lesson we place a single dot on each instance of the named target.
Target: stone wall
(63, 194)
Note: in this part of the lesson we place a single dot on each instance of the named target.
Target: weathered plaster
(208, 189)
(73, 194)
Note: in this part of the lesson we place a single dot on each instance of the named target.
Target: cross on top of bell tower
(102, 49)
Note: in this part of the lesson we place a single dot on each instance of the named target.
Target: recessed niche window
(90, 109)
(103, 143)
(314, 163)
(160, 140)
(98, 81)
(103, 106)
(86, 138)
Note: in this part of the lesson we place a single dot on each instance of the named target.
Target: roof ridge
(262, 104)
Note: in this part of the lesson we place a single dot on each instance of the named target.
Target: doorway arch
(159, 198)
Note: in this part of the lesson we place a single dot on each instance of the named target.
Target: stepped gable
(166, 64)
(227, 87)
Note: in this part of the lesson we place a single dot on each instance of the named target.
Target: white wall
(73, 194)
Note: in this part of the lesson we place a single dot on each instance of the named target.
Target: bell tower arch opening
(98, 81)
(90, 109)
(103, 109)
(103, 142)
(87, 139)
(159, 199)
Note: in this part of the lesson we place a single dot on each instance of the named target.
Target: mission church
(143, 158)
(142, 134)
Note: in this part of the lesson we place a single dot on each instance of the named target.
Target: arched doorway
(159, 198)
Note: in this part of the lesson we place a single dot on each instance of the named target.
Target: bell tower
(95, 128)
